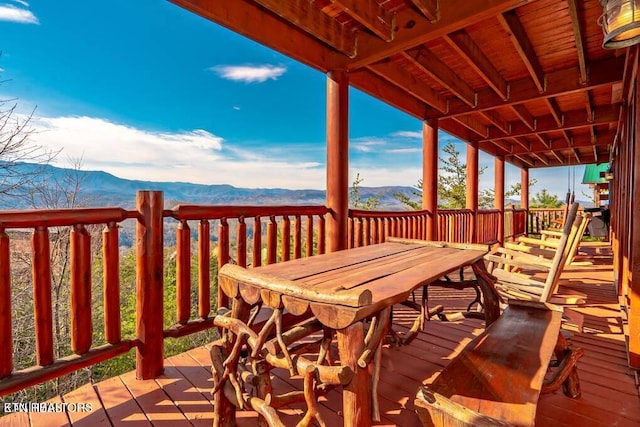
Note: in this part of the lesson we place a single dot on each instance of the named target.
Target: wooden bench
(498, 377)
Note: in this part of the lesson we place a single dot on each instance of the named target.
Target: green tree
(408, 201)
(488, 196)
(543, 199)
(355, 199)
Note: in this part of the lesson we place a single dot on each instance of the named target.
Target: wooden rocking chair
(545, 249)
(515, 271)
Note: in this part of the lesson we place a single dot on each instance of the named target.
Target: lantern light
(620, 21)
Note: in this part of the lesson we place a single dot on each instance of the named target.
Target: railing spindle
(41, 270)
(183, 272)
(6, 362)
(357, 230)
(256, 252)
(272, 240)
(309, 251)
(241, 243)
(351, 233)
(111, 283)
(285, 250)
(204, 269)
(223, 257)
(321, 235)
(81, 325)
(367, 232)
(297, 237)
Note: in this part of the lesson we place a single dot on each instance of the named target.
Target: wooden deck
(181, 396)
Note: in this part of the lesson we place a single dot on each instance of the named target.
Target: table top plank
(371, 272)
(306, 267)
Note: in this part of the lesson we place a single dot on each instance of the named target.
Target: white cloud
(195, 156)
(1, 69)
(249, 73)
(12, 13)
(366, 144)
(22, 2)
(235, 107)
(404, 150)
(407, 134)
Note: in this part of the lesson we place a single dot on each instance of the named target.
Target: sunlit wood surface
(181, 396)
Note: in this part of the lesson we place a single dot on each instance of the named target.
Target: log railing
(247, 236)
(43, 226)
(488, 222)
(371, 227)
(455, 225)
(540, 219)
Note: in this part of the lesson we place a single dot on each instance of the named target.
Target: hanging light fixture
(620, 21)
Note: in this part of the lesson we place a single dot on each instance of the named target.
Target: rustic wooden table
(344, 288)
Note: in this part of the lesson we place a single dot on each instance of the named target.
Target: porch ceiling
(525, 79)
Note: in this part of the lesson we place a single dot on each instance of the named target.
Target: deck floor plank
(49, 419)
(122, 409)
(86, 395)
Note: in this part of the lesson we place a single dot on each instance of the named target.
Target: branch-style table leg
(490, 297)
(356, 398)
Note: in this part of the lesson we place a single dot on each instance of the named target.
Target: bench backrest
(569, 235)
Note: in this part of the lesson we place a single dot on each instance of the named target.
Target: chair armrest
(515, 263)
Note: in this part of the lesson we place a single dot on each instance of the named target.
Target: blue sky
(147, 90)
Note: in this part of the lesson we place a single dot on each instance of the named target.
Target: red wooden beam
(430, 174)
(370, 14)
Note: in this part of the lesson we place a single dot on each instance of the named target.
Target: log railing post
(524, 196)
(149, 285)
(81, 326)
(111, 282)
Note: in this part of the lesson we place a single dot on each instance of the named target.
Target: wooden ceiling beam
(505, 146)
(576, 154)
(497, 120)
(376, 86)
(546, 142)
(522, 143)
(473, 125)
(250, 20)
(579, 37)
(429, 63)
(306, 16)
(555, 110)
(512, 25)
(559, 161)
(397, 75)
(524, 115)
(558, 157)
(524, 160)
(462, 43)
(541, 157)
(576, 119)
(371, 15)
(595, 153)
(414, 29)
(581, 141)
(589, 105)
(456, 129)
(560, 82)
(429, 8)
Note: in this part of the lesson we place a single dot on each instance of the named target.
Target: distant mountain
(104, 189)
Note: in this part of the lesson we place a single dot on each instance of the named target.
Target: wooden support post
(430, 175)
(634, 235)
(524, 197)
(498, 202)
(149, 285)
(43, 311)
(472, 186)
(337, 159)
(356, 396)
